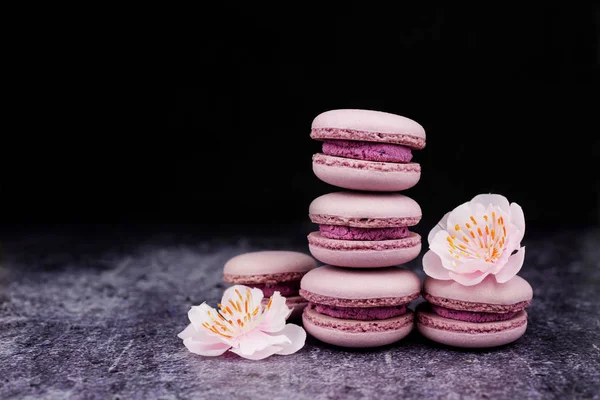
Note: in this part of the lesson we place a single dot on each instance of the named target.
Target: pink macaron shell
(343, 283)
(350, 204)
(368, 120)
(470, 334)
(345, 174)
(360, 339)
(466, 340)
(369, 254)
(269, 262)
(488, 292)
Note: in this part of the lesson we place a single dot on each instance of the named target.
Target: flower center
(235, 318)
(482, 239)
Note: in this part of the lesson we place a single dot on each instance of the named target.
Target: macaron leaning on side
(488, 314)
(272, 271)
(367, 150)
(364, 230)
(359, 307)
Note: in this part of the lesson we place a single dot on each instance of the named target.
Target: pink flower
(477, 239)
(243, 326)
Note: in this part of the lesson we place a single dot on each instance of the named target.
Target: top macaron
(367, 150)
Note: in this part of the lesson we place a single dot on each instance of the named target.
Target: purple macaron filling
(369, 151)
(284, 288)
(352, 233)
(470, 316)
(359, 313)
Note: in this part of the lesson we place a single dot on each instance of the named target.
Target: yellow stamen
(473, 219)
(465, 239)
(239, 295)
(472, 234)
(486, 218)
(479, 232)
(467, 225)
(487, 231)
(456, 227)
(232, 305)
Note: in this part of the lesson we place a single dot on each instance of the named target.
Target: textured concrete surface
(97, 317)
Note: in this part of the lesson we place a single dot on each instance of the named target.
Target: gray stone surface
(97, 317)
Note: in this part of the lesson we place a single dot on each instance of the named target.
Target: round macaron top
(269, 262)
(365, 205)
(369, 121)
(345, 283)
(488, 291)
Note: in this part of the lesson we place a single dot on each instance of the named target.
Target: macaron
(272, 271)
(364, 230)
(359, 307)
(367, 150)
(488, 314)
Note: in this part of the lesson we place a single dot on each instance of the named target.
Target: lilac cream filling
(471, 316)
(359, 313)
(369, 151)
(352, 233)
(284, 288)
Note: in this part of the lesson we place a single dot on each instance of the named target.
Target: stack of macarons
(272, 271)
(360, 297)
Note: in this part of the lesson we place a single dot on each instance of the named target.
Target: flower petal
(517, 218)
(432, 265)
(471, 266)
(203, 336)
(189, 331)
(462, 214)
(256, 340)
(201, 314)
(257, 296)
(512, 267)
(258, 355)
(204, 349)
(236, 295)
(494, 199)
(442, 225)
(275, 315)
(440, 247)
(469, 279)
(297, 337)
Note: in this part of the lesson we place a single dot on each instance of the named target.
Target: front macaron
(359, 307)
(367, 150)
(364, 230)
(488, 314)
(271, 271)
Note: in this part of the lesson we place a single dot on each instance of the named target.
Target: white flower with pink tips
(477, 239)
(243, 326)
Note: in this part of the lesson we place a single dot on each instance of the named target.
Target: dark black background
(508, 97)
